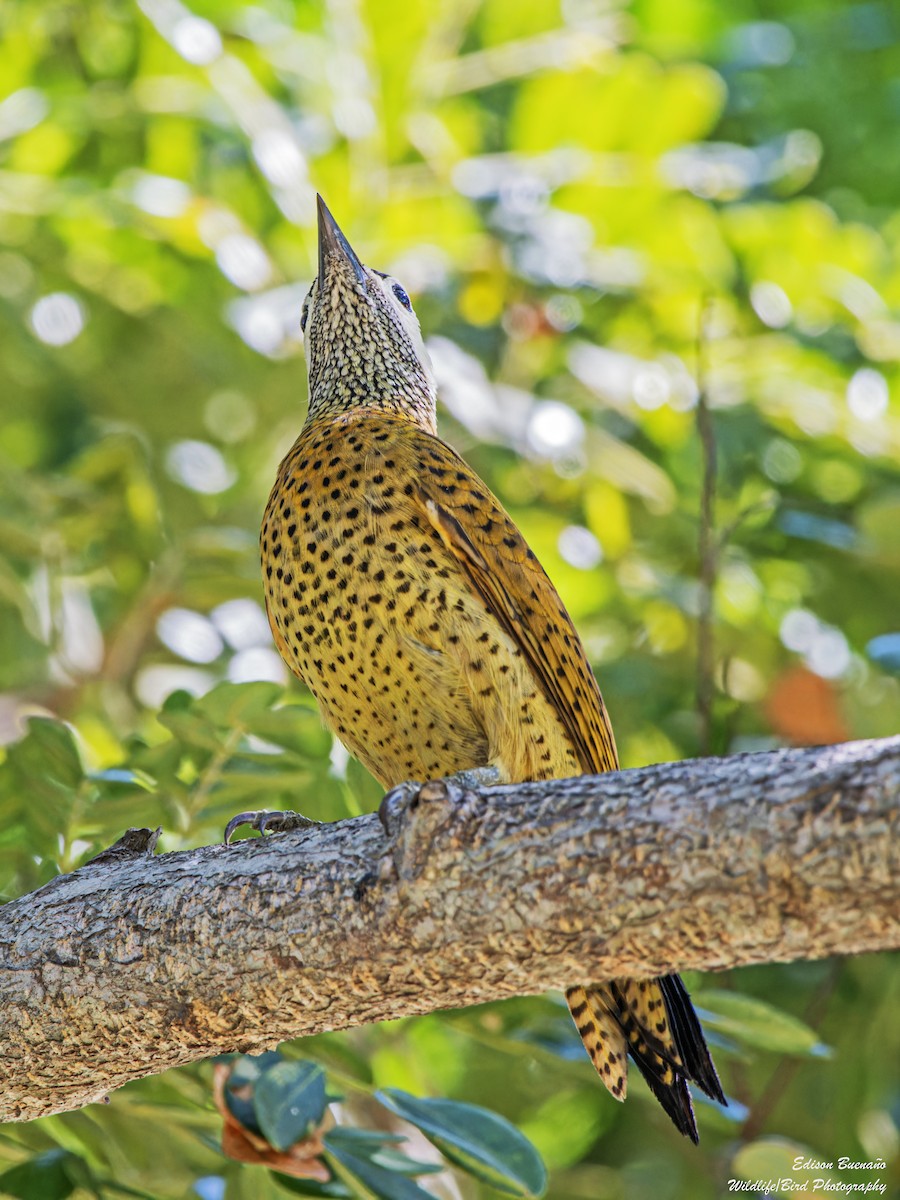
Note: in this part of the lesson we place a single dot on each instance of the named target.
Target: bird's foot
(415, 816)
(407, 797)
(476, 777)
(411, 795)
(395, 802)
(271, 822)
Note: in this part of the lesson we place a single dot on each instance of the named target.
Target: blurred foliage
(601, 210)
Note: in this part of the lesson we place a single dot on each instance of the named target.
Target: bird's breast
(373, 612)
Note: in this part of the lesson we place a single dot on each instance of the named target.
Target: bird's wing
(513, 585)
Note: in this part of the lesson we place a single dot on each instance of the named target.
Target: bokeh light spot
(867, 394)
(155, 683)
(782, 461)
(771, 304)
(200, 467)
(197, 40)
(580, 548)
(279, 158)
(824, 648)
(554, 429)
(57, 319)
(159, 195)
(257, 663)
(242, 260)
(650, 386)
(229, 416)
(242, 623)
(190, 635)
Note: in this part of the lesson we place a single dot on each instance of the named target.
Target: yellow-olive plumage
(403, 595)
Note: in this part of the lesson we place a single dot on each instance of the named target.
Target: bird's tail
(654, 1022)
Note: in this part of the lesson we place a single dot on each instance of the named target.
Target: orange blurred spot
(803, 708)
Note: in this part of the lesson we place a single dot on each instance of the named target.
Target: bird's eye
(304, 315)
(402, 296)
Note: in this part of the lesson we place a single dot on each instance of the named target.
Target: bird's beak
(334, 249)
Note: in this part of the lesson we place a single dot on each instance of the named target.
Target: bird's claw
(272, 822)
(476, 777)
(393, 803)
(407, 796)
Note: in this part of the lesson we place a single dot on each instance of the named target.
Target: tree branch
(137, 963)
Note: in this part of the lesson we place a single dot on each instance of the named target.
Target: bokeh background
(613, 218)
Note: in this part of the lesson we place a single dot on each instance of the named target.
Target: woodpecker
(401, 593)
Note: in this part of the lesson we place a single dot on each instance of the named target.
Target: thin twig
(708, 549)
(212, 772)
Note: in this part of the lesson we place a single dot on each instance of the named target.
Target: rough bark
(137, 962)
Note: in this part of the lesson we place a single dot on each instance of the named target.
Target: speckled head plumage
(363, 345)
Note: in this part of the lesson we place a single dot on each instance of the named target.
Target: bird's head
(363, 345)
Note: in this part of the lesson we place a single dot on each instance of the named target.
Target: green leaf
(38, 784)
(402, 1164)
(567, 1123)
(246, 1071)
(758, 1024)
(51, 747)
(177, 701)
(248, 1067)
(311, 1187)
(296, 727)
(45, 1177)
(556, 1037)
(289, 1100)
(356, 1139)
(231, 704)
(476, 1139)
(124, 777)
(365, 789)
(191, 729)
(378, 1147)
(268, 775)
(370, 1181)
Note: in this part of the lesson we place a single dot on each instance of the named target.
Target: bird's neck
(417, 407)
